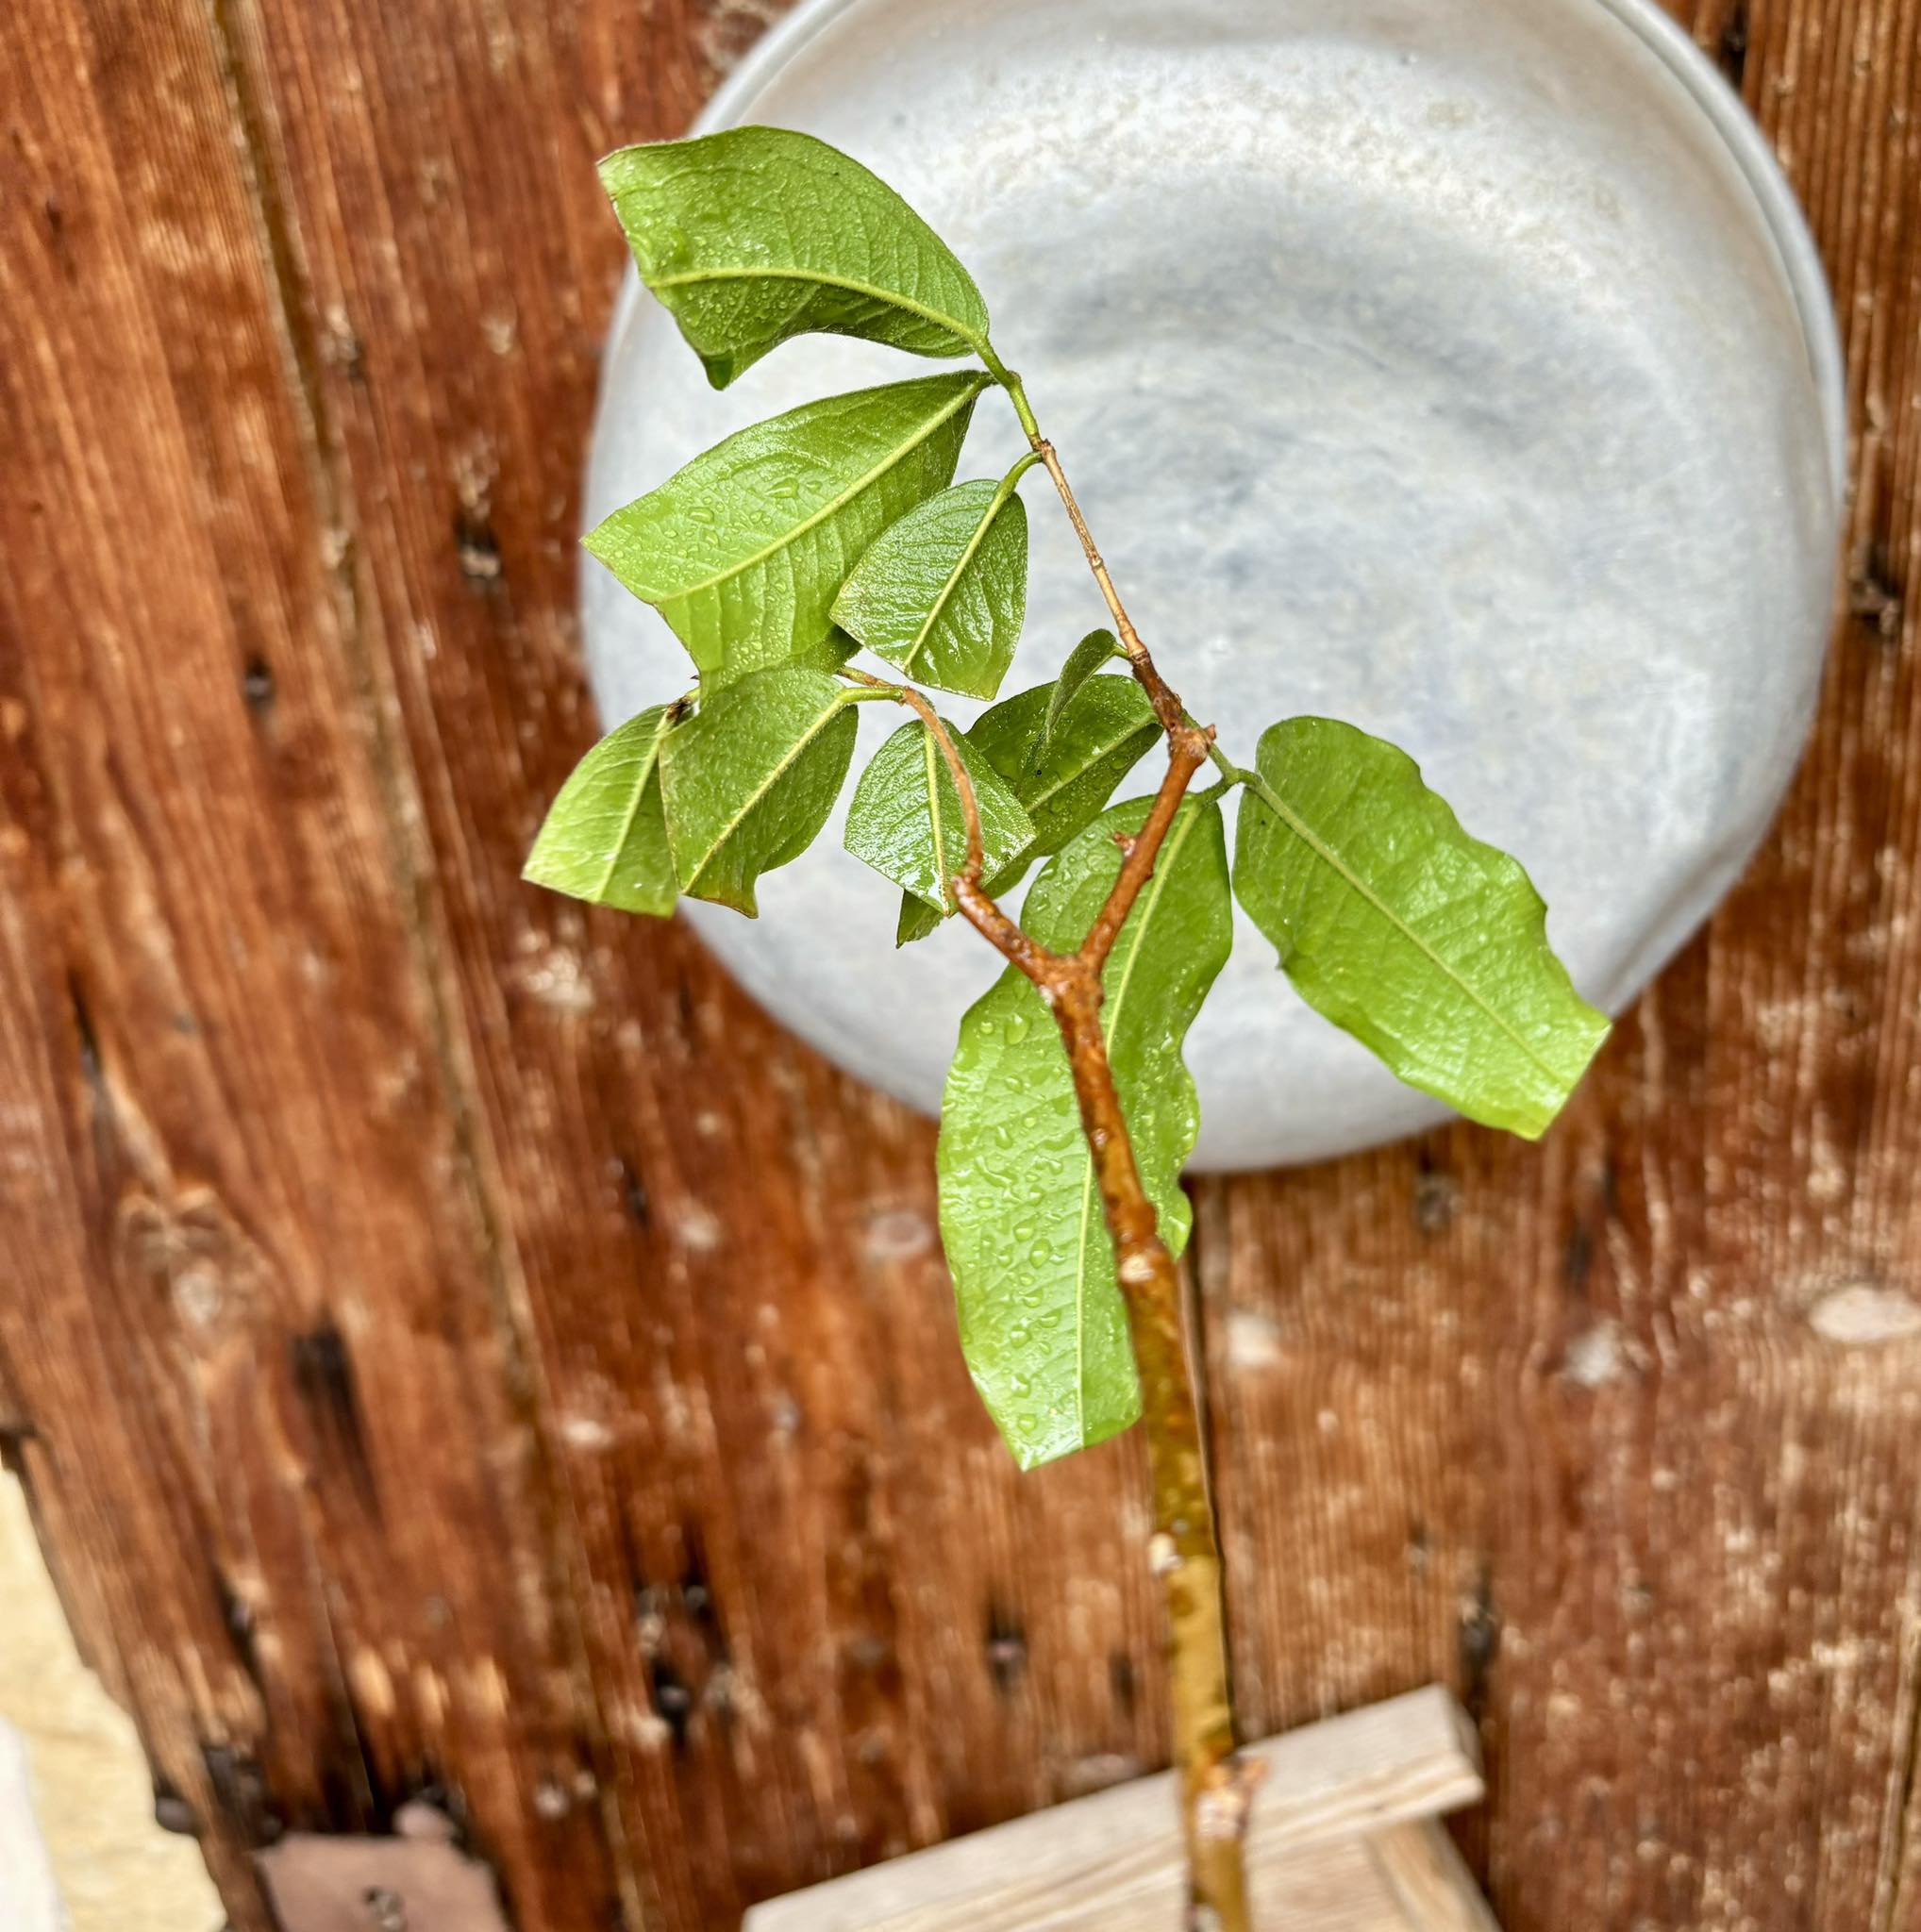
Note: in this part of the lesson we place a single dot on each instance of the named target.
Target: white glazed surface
(1440, 365)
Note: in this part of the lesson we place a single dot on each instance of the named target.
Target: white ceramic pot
(1460, 368)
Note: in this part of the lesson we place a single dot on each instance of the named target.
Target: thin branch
(957, 765)
(1166, 705)
(1216, 1783)
(1187, 752)
(986, 917)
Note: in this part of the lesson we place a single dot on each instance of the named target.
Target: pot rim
(1774, 198)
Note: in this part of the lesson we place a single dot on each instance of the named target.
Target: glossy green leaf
(943, 592)
(750, 778)
(1042, 1320)
(906, 820)
(605, 838)
(1096, 648)
(743, 550)
(758, 234)
(1426, 944)
(1061, 782)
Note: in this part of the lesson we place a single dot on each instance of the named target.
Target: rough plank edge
(1428, 1878)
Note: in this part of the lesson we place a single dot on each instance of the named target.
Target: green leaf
(743, 550)
(1062, 782)
(943, 592)
(606, 839)
(1066, 779)
(1095, 649)
(1426, 944)
(1042, 1324)
(758, 234)
(906, 820)
(750, 778)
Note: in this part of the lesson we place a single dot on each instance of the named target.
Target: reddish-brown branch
(1215, 1784)
(1187, 752)
(950, 752)
(1166, 705)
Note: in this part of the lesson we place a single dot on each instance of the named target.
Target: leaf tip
(599, 541)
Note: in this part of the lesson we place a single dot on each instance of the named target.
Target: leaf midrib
(837, 704)
(650, 759)
(933, 781)
(1326, 854)
(835, 505)
(995, 504)
(974, 338)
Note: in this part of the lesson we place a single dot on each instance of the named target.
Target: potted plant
(796, 547)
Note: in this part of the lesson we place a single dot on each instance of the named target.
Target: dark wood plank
(1617, 1435)
(252, 1318)
(488, 1168)
(827, 1620)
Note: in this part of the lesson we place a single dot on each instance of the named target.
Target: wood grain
(588, 1422)
(1617, 1435)
(457, 1343)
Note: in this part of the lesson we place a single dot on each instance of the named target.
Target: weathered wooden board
(463, 1343)
(1619, 1435)
(454, 1342)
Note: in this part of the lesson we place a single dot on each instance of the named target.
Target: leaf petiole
(1017, 393)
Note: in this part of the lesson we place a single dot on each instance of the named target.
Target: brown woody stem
(1187, 752)
(1216, 1786)
(957, 765)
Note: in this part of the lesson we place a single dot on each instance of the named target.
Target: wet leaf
(750, 778)
(906, 820)
(943, 592)
(605, 839)
(743, 550)
(758, 234)
(1042, 1320)
(1062, 782)
(1096, 648)
(1426, 944)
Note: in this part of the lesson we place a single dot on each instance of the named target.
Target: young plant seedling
(789, 548)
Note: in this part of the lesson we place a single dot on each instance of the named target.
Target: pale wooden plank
(1425, 1874)
(1113, 1860)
